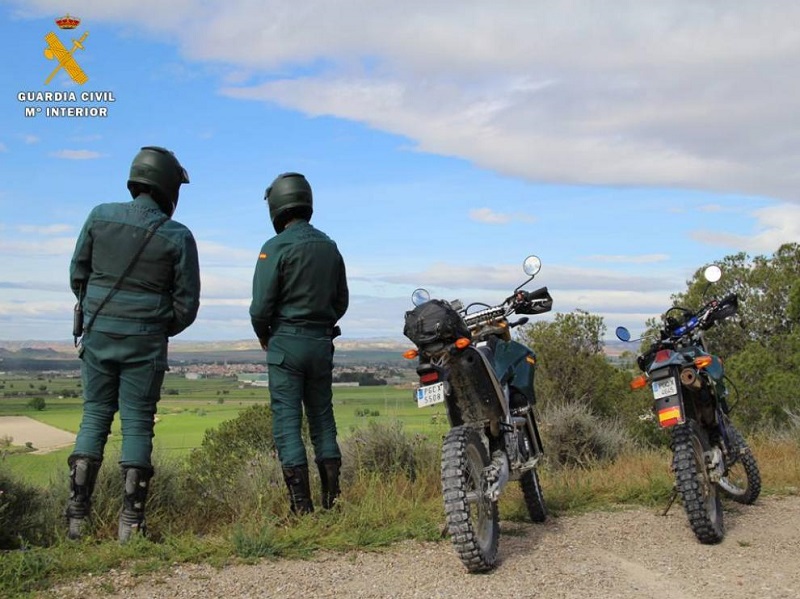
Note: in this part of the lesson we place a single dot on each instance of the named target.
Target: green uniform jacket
(299, 280)
(161, 295)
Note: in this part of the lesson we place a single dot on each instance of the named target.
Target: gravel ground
(623, 555)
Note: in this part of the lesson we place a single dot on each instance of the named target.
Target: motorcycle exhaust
(690, 379)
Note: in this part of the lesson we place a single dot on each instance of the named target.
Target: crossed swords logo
(56, 50)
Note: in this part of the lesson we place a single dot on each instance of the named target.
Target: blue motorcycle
(469, 362)
(710, 457)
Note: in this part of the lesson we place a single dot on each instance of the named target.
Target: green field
(190, 407)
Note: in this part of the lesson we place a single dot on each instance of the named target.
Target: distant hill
(61, 355)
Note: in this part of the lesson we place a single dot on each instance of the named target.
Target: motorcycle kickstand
(671, 501)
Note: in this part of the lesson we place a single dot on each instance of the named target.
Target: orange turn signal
(462, 342)
(638, 382)
(410, 354)
(703, 361)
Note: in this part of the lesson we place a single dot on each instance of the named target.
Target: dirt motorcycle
(468, 361)
(710, 457)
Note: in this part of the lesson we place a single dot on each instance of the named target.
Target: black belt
(319, 331)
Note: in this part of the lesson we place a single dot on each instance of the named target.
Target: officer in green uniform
(136, 274)
(299, 294)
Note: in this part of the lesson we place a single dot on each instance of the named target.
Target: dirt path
(632, 554)
(43, 437)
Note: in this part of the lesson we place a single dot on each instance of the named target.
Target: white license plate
(430, 395)
(664, 388)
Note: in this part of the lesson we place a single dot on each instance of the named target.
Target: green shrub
(37, 403)
(235, 451)
(575, 436)
(23, 513)
(385, 448)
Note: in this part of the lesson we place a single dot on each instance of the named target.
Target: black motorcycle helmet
(289, 196)
(156, 170)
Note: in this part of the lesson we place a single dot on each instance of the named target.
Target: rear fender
(475, 394)
(669, 410)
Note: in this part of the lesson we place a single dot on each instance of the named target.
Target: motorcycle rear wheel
(534, 498)
(700, 497)
(742, 480)
(472, 519)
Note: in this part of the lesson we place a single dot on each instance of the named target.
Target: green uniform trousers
(121, 373)
(300, 375)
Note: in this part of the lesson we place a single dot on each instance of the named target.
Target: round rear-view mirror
(623, 334)
(532, 265)
(420, 296)
(712, 273)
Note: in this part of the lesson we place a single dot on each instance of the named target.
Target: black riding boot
(131, 518)
(329, 477)
(299, 489)
(82, 478)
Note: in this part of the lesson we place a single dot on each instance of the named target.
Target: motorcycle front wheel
(742, 480)
(700, 496)
(472, 519)
(534, 498)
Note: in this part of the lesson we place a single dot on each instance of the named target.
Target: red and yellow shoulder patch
(262, 256)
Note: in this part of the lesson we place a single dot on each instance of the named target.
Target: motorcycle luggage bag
(434, 323)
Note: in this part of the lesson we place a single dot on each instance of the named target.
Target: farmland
(190, 407)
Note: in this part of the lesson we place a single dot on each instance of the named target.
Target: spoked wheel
(534, 499)
(742, 480)
(699, 495)
(472, 519)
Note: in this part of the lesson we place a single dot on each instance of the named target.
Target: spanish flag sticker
(262, 256)
(670, 416)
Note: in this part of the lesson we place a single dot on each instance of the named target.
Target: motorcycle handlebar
(484, 315)
(522, 302)
(713, 312)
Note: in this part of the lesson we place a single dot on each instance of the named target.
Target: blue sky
(625, 143)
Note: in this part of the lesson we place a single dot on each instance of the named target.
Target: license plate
(664, 388)
(430, 395)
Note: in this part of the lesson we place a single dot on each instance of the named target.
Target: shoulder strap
(111, 292)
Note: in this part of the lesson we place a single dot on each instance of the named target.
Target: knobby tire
(534, 498)
(700, 497)
(743, 457)
(472, 519)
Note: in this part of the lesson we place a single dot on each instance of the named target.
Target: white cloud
(55, 229)
(3, 147)
(641, 259)
(569, 92)
(500, 279)
(775, 225)
(76, 154)
(56, 246)
(26, 309)
(213, 252)
(30, 139)
(489, 216)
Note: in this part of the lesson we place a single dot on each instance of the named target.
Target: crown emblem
(68, 22)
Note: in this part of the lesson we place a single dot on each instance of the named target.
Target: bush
(381, 448)
(575, 436)
(23, 513)
(37, 403)
(236, 449)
